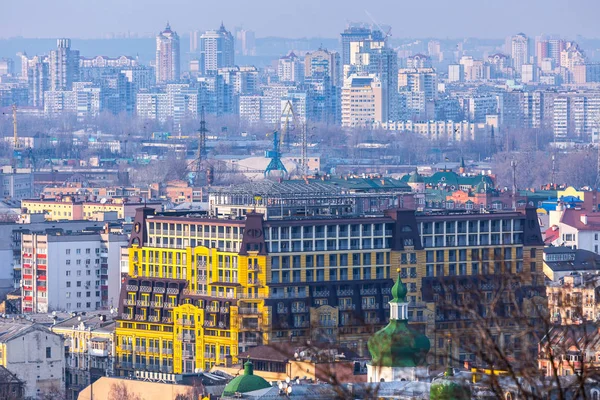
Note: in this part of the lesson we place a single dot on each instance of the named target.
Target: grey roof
(585, 260)
(11, 329)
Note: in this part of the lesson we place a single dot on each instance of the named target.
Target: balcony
(328, 323)
(248, 311)
(282, 310)
(372, 321)
(254, 282)
(224, 310)
(128, 302)
(185, 322)
(249, 342)
(140, 317)
(167, 320)
(158, 289)
(212, 309)
(169, 306)
(140, 349)
(321, 293)
(299, 309)
(153, 350)
(201, 278)
(301, 324)
(373, 306)
(98, 352)
(172, 291)
(209, 355)
(146, 289)
(346, 307)
(368, 292)
(167, 351)
(125, 364)
(186, 337)
(345, 292)
(126, 347)
(157, 304)
(187, 354)
(253, 268)
(127, 317)
(132, 288)
(143, 303)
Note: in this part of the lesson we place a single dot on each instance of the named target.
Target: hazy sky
(326, 18)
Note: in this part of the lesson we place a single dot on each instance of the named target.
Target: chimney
(583, 218)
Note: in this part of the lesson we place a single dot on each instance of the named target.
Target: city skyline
(465, 18)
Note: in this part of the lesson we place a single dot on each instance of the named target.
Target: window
(68, 251)
(68, 273)
(68, 284)
(48, 352)
(87, 251)
(78, 251)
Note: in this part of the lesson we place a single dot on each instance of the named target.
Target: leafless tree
(120, 391)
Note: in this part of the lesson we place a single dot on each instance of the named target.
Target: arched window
(595, 395)
(382, 380)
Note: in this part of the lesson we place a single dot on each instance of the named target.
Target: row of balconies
(145, 367)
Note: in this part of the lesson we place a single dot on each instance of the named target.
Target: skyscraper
(323, 62)
(64, 66)
(519, 51)
(373, 57)
(167, 56)
(356, 34)
(216, 50)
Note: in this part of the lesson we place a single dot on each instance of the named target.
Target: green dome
(397, 345)
(399, 291)
(246, 382)
(482, 186)
(449, 388)
(415, 178)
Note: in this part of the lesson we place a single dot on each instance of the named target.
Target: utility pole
(513, 165)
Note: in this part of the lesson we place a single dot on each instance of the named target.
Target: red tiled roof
(551, 235)
(572, 218)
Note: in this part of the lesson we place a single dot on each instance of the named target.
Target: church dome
(449, 387)
(247, 382)
(398, 345)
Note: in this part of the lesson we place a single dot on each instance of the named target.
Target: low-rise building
(562, 261)
(574, 299)
(34, 354)
(11, 387)
(90, 349)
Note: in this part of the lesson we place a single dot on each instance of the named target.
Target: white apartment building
(34, 354)
(362, 101)
(290, 68)
(449, 131)
(70, 272)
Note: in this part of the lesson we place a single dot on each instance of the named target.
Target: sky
(304, 18)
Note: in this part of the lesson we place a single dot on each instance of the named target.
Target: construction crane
(275, 155)
(286, 114)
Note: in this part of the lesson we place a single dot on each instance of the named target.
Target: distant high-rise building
(374, 57)
(418, 61)
(323, 62)
(364, 101)
(357, 34)
(216, 50)
(529, 73)
(194, 36)
(246, 42)
(434, 49)
(290, 68)
(7, 66)
(64, 66)
(519, 51)
(167, 56)
(456, 73)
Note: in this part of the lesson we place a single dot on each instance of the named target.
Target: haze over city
(313, 200)
(310, 18)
